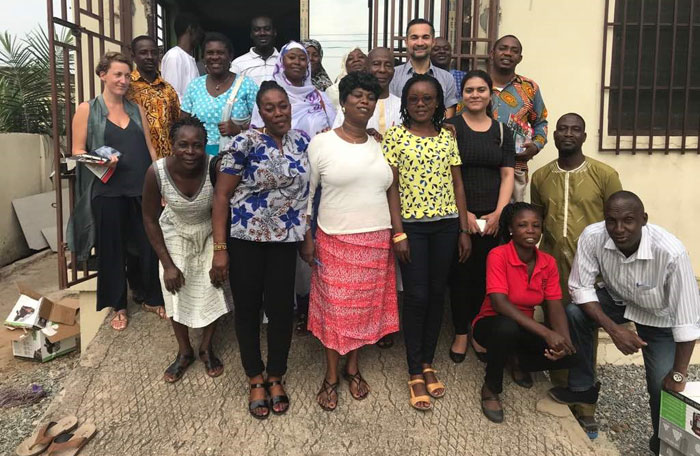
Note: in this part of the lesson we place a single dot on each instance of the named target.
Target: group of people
(262, 184)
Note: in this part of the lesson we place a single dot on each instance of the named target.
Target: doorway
(232, 18)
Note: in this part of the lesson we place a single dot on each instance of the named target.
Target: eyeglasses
(426, 99)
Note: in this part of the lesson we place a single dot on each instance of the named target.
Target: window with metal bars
(651, 81)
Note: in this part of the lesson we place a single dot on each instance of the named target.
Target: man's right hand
(628, 342)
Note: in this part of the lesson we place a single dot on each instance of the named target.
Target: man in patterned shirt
(517, 102)
(157, 97)
(441, 56)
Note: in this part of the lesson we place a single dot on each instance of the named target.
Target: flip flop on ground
(70, 444)
(44, 435)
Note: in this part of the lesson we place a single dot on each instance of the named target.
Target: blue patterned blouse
(269, 204)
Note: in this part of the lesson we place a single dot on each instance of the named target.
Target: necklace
(217, 87)
(350, 137)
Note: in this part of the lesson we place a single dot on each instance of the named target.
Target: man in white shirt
(387, 113)
(420, 38)
(178, 66)
(259, 63)
(648, 279)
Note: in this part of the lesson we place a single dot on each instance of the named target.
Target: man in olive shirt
(571, 191)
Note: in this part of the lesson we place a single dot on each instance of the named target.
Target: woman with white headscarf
(354, 60)
(312, 111)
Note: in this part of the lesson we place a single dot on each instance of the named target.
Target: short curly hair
(186, 121)
(358, 79)
(107, 59)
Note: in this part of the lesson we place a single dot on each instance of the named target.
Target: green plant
(25, 83)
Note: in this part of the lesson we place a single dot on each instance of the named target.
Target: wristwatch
(677, 377)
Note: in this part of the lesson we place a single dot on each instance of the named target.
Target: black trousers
(262, 277)
(503, 337)
(468, 282)
(432, 247)
(122, 241)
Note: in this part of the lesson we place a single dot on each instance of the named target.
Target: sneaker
(589, 425)
(564, 395)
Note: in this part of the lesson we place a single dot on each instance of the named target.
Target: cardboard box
(679, 424)
(33, 310)
(45, 344)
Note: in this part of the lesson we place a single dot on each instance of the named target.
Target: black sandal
(280, 399)
(177, 369)
(211, 362)
(259, 403)
(386, 341)
(356, 378)
(328, 388)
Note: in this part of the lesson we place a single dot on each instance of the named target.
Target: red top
(507, 274)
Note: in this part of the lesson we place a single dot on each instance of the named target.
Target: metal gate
(471, 26)
(97, 26)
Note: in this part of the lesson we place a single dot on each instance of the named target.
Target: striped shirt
(656, 283)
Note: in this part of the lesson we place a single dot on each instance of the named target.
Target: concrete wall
(26, 164)
(562, 52)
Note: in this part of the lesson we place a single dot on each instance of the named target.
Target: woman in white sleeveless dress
(181, 236)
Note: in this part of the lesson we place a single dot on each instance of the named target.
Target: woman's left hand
(491, 227)
(228, 128)
(464, 247)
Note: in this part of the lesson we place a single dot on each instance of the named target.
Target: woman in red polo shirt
(518, 278)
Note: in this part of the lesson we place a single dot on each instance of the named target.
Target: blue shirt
(269, 204)
(403, 73)
(198, 102)
(458, 75)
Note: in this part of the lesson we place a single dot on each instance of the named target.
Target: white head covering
(312, 112)
(333, 91)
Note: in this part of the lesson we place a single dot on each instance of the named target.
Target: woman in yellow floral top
(429, 219)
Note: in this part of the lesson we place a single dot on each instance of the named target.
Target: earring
(342, 108)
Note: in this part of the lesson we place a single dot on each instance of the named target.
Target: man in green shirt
(571, 191)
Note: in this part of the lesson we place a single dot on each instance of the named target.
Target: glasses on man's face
(426, 99)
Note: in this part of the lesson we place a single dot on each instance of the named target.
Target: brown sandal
(328, 388)
(356, 378)
(158, 310)
(44, 436)
(70, 444)
(120, 321)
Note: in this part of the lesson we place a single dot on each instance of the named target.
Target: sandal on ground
(120, 321)
(328, 388)
(495, 416)
(213, 364)
(158, 310)
(386, 341)
(432, 387)
(42, 438)
(415, 400)
(70, 444)
(259, 403)
(177, 369)
(301, 327)
(279, 399)
(357, 379)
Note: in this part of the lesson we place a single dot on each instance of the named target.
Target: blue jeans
(658, 354)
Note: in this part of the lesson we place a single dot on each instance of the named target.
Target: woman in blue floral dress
(263, 180)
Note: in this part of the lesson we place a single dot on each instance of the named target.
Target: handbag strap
(226, 115)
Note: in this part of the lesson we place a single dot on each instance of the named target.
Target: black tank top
(129, 174)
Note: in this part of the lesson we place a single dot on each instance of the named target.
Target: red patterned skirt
(353, 290)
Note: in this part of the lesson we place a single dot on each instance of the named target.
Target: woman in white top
(353, 283)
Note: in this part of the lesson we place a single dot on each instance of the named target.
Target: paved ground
(117, 385)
